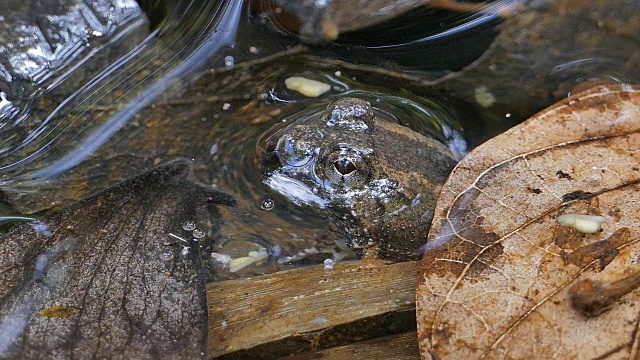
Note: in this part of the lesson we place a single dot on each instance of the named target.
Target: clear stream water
(80, 90)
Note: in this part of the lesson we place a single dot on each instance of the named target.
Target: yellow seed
(58, 311)
(306, 87)
(587, 224)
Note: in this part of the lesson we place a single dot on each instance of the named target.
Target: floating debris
(166, 256)
(484, 97)
(224, 259)
(198, 234)
(178, 237)
(226, 106)
(214, 149)
(58, 311)
(306, 87)
(587, 224)
(311, 250)
(276, 251)
(253, 257)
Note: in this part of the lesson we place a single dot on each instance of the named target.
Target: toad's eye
(344, 166)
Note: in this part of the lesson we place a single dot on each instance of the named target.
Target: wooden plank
(359, 330)
(395, 347)
(285, 306)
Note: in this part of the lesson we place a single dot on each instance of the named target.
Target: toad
(378, 178)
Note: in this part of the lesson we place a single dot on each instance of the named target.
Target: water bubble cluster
(192, 227)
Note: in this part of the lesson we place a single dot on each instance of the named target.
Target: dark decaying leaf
(501, 278)
(109, 281)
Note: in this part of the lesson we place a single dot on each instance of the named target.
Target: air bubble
(189, 225)
(267, 204)
(328, 264)
(166, 256)
(185, 251)
(214, 149)
(229, 61)
(198, 234)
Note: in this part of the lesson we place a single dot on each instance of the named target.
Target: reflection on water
(427, 39)
(52, 47)
(182, 46)
(156, 68)
(151, 87)
(31, 297)
(40, 228)
(577, 75)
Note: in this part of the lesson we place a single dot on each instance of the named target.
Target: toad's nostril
(344, 166)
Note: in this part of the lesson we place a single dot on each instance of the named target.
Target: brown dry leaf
(498, 271)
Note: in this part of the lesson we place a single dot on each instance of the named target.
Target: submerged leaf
(109, 281)
(501, 277)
